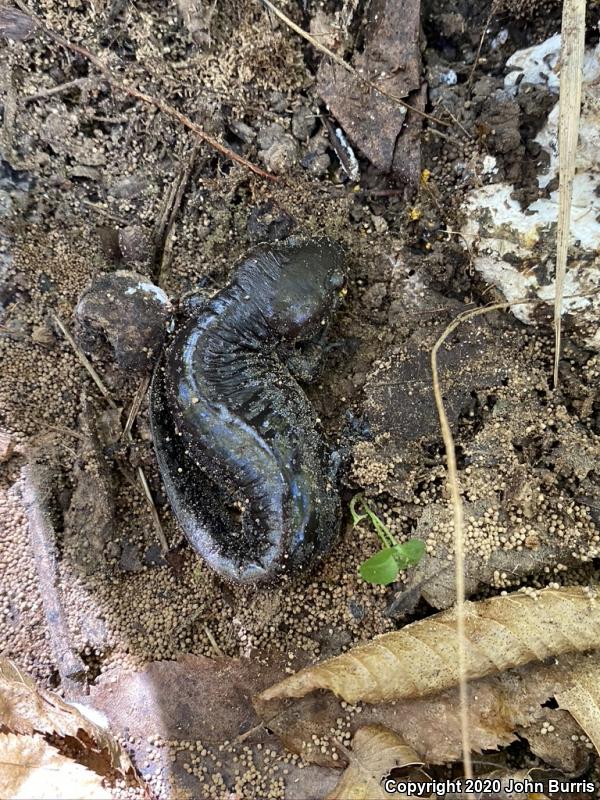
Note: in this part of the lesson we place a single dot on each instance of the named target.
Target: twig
(132, 91)
(103, 211)
(106, 394)
(155, 518)
(481, 41)
(571, 60)
(85, 362)
(163, 237)
(213, 642)
(62, 87)
(247, 734)
(348, 67)
(43, 542)
(135, 406)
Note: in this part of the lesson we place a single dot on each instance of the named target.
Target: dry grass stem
(571, 68)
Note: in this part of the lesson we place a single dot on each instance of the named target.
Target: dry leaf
(26, 708)
(375, 752)
(582, 699)
(502, 708)
(30, 767)
(422, 658)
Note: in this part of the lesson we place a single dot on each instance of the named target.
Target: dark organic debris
(268, 223)
(127, 310)
(405, 383)
(89, 521)
(15, 25)
(391, 59)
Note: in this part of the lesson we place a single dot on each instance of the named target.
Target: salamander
(245, 468)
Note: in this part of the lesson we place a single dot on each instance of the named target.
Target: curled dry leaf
(30, 767)
(26, 708)
(376, 751)
(582, 697)
(422, 658)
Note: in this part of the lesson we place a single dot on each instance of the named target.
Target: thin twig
(348, 67)
(85, 362)
(71, 668)
(135, 406)
(155, 518)
(481, 41)
(132, 91)
(62, 87)
(103, 211)
(571, 60)
(213, 642)
(247, 734)
(164, 229)
(128, 437)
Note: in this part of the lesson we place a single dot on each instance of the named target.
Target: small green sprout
(384, 566)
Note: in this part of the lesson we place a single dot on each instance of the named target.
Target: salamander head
(293, 288)
(307, 290)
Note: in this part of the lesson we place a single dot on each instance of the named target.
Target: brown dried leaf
(392, 59)
(26, 708)
(30, 767)
(422, 658)
(375, 752)
(582, 698)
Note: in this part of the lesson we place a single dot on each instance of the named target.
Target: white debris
(489, 165)
(537, 64)
(514, 248)
(147, 288)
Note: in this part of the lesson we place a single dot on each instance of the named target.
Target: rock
(243, 131)
(129, 187)
(500, 117)
(130, 560)
(316, 164)
(281, 156)
(136, 245)
(303, 123)
(129, 312)
(278, 149)
(153, 557)
(278, 102)
(269, 134)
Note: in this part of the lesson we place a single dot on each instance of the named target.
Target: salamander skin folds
(246, 470)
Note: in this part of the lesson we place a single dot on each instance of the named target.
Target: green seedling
(384, 566)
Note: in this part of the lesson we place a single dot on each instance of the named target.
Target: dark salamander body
(245, 469)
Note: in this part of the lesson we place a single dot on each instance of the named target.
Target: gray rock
(303, 123)
(124, 309)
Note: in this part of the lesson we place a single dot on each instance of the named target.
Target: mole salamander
(246, 471)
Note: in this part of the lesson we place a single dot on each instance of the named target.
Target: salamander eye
(337, 280)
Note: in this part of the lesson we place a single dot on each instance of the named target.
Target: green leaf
(382, 568)
(409, 553)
